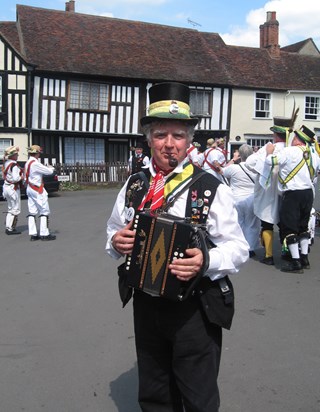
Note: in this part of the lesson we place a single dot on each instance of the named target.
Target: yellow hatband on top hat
(169, 101)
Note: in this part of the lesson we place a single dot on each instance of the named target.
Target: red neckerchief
(155, 193)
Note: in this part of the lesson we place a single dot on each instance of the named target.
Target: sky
(237, 21)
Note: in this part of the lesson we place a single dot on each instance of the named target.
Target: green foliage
(70, 186)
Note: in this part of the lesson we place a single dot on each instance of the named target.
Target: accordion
(159, 240)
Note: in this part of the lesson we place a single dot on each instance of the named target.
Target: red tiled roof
(9, 31)
(69, 42)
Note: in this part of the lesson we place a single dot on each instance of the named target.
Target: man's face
(138, 151)
(168, 140)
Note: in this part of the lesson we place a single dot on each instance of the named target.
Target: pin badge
(129, 214)
(207, 193)
(200, 202)
(174, 108)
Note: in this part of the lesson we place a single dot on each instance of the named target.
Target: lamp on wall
(238, 138)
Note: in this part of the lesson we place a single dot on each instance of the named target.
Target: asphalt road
(66, 344)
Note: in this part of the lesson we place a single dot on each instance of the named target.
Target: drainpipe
(29, 100)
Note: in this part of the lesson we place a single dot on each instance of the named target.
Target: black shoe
(12, 232)
(267, 261)
(286, 256)
(252, 253)
(304, 261)
(49, 237)
(34, 237)
(294, 266)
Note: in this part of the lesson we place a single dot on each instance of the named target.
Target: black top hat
(283, 125)
(169, 101)
(305, 134)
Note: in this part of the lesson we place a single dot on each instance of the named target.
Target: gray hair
(149, 126)
(245, 151)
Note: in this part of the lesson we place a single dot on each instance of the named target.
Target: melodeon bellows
(159, 240)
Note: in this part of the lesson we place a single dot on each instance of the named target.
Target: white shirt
(266, 194)
(222, 227)
(13, 172)
(288, 159)
(145, 160)
(37, 170)
(212, 155)
(240, 183)
(192, 154)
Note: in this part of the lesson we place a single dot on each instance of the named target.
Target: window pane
(312, 105)
(84, 150)
(88, 96)
(4, 143)
(0, 93)
(262, 105)
(200, 102)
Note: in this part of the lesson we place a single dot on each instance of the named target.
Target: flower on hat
(34, 149)
(11, 151)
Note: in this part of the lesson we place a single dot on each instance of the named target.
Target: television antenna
(194, 23)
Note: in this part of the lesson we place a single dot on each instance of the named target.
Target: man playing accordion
(178, 342)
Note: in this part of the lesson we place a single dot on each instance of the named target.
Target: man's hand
(123, 240)
(270, 148)
(188, 267)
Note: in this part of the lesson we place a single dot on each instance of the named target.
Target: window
(89, 96)
(83, 150)
(258, 142)
(200, 102)
(0, 94)
(312, 108)
(262, 105)
(4, 143)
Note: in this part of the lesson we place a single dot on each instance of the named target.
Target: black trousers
(295, 211)
(178, 354)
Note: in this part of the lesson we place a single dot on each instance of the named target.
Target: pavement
(66, 344)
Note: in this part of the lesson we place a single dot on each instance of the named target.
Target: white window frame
(260, 104)
(312, 108)
(4, 143)
(258, 141)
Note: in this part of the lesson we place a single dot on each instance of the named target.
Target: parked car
(51, 182)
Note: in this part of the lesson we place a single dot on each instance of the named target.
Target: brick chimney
(70, 5)
(269, 35)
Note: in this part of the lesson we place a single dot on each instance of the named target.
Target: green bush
(70, 186)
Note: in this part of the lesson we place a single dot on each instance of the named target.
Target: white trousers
(38, 204)
(13, 198)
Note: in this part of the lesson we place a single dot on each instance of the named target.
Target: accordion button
(181, 254)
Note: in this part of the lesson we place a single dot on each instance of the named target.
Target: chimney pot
(269, 34)
(70, 5)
